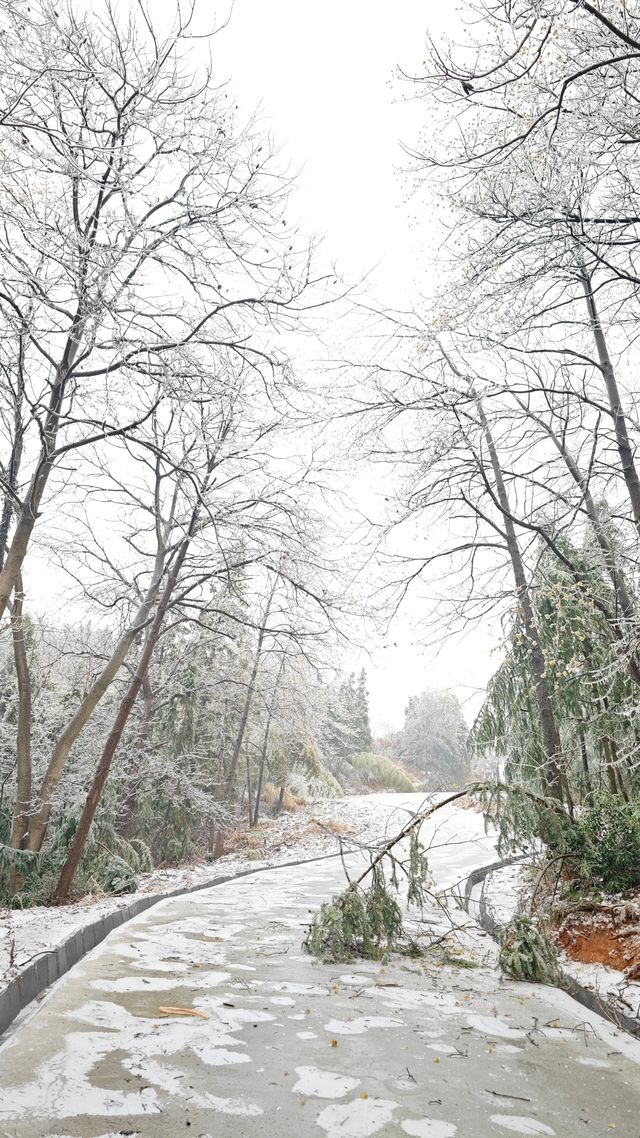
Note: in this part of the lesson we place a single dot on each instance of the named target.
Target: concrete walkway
(291, 1048)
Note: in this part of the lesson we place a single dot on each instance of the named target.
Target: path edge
(52, 964)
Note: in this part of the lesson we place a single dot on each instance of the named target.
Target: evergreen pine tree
(361, 714)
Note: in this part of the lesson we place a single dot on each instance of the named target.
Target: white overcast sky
(324, 77)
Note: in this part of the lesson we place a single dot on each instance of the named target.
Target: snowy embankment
(501, 893)
(458, 844)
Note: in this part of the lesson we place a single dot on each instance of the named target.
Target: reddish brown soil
(608, 935)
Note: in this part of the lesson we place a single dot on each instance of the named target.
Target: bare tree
(140, 223)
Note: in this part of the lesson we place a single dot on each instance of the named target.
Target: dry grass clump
(290, 802)
(247, 840)
(330, 827)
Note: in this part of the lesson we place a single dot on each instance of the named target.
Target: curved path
(292, 1048)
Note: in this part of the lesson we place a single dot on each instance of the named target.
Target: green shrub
(110, 862)
(379, 769)
(604, 843)
(526, 953)
(358, 923)
(118, 877)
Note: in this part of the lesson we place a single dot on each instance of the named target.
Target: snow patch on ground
(444, 1002)
(314, 1082)
(358, 1119)
(300, 989)
(520, 1125)
(158, 983)
(360, 1025)
(62, 1088)
(429, 1128)
(586, 1061)
(496, 1027)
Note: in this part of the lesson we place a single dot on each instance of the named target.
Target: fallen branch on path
(368, 922)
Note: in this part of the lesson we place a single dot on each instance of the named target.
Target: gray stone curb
(584, 996)
(49, 966)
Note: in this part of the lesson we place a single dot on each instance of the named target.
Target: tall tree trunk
(230, 779)
(623, 443)
(131, 800)
(610, 751)
(263, 761)
(550, 735)
(620, 628)
(265, 745)
(617, 769)
(609, 765)
(551, 773)
(616, 575)
(216, 839)
(22, 806)
(11, 500)
(249, 787)
(585, 766)
(29, 512)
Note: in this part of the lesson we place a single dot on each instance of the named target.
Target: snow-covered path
(293, 1048)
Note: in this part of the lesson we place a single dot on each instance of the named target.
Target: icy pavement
(27, 934)
(289, 1047)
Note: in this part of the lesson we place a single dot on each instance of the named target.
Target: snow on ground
(502, 891)
(458, 841)
(425, 1047)
(608, 984)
